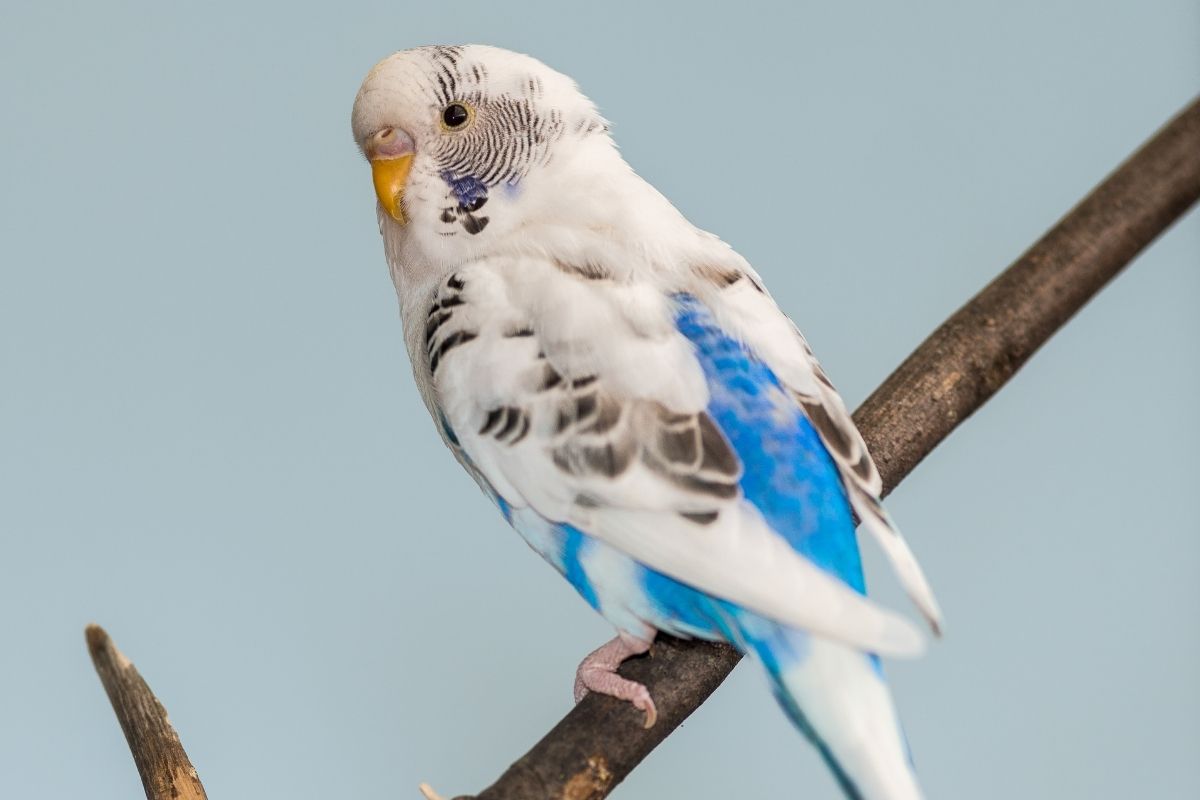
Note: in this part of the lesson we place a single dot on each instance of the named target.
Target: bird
(627, 392)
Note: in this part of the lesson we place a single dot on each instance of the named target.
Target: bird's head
(467, 144)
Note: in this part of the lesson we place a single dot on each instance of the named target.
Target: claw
(598, 673)
(648, 707)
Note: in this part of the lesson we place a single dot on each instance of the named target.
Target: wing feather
(610, 435)
(748, 312)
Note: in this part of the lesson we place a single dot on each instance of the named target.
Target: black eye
(455, 116)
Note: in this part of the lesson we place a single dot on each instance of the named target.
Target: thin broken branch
(962, 364)
(166, 772)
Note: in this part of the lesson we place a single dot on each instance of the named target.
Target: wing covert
(610, 433)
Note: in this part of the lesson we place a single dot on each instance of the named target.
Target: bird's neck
(588, 206)
(585, 209)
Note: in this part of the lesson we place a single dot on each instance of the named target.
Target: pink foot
(598, 673)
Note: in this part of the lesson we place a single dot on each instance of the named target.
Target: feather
(752, 316)
(556, 416)
(624, 388)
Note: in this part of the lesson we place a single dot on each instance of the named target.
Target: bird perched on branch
(627, 392)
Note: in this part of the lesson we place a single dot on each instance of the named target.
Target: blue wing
(788, 476)
(834, 694)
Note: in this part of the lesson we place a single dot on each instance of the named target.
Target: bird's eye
(456, 116)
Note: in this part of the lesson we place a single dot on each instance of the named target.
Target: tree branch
(966, 360)
(166, 772)
(962, 364)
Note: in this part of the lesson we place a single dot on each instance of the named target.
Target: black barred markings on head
(482, 130)
(509, 135)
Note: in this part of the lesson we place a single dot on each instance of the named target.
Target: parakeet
(624, 388)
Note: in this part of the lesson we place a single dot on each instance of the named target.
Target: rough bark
(166, 772)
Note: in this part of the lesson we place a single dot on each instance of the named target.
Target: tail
(838, 698)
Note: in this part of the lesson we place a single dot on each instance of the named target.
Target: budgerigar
(624, 388)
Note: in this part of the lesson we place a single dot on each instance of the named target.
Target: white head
(468, 144)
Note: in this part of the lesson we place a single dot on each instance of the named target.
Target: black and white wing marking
(584, 402)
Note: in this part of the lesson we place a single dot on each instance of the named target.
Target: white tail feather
(848, 708)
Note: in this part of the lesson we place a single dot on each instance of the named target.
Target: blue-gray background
(210, 442)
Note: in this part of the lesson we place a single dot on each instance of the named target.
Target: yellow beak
(390, 175)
